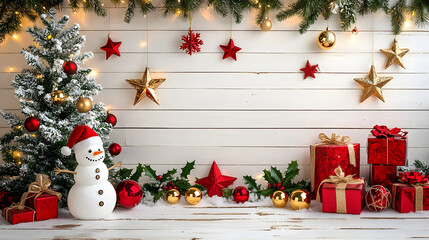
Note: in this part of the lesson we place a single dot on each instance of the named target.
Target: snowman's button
(97, 177)
(101, 203)
(97, 170)
(100, 192)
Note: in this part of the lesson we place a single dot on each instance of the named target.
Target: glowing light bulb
(11, 69)
(107, 108)
(142, 44)
(15, 36)
(93, 73)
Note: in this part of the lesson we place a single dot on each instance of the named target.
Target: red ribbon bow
(412, 177)
(385, 132)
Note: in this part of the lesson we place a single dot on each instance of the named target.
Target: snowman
(92, 196)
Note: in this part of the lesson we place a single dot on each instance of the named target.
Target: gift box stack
(387, 149)
(39, 203)
(335, 175)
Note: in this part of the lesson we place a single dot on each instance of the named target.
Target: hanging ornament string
(190, 21)
(147, 40)
(372, 45)
(230, 22)
(108, 9)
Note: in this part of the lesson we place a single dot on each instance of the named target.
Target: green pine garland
(234, 7)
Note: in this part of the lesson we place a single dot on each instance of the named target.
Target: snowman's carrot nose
(97, 152)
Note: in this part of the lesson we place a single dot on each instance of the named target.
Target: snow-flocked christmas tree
(49, 94)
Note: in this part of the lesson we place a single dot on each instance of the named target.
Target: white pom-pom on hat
(66, 151)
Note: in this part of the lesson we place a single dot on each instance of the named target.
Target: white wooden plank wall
(249, 114)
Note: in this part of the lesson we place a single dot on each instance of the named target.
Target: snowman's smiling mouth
(95, 160)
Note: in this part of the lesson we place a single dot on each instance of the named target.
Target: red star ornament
(111, 47)
(191, 42)
(215, 182)
(230, 50)
(309, 70)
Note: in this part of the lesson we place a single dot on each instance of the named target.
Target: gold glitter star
(372, 84)
(146, 86)
(394, 54)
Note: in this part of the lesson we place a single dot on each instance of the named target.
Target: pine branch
(398, 17)
(420, 12)
(183, 8)
(234, 7)
(265, 7)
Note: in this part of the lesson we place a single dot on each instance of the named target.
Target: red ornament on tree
(115, 149)
(309, 70)
(128, 194)
(70, 67)
(111, 47)
(230, 50)
(240, 194)
(191, 42)
(215, 182)
(32, 124)
(378, 198)
(111, 119)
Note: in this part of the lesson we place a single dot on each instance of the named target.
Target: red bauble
(191, 42)
(115, 149)
(111, 47)
(309, 70)
(111, 119)
(230, 50)
(128, 194)
(70, 67)
(32, 124)
(240, 194)
(378, 198)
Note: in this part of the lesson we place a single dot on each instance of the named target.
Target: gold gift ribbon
(418, 199)
(340, 190)
(334, 140)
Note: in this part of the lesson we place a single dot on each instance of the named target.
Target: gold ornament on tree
(300, 199)
(372, 84)
(193, 196)
(83, 105)
(146, 86)
(394, 54)
(173, 196)
(49, 37)
(17, 155)
(58, 97)
(279, 199)
(266, 24)
(326, 39)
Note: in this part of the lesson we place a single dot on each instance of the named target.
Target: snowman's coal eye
(99, 149)
(90, 151)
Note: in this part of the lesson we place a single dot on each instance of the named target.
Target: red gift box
(383, 174)
(330, 154)
(342, 194)
(387, 146)
(15, 215)
(405, 197)
(45, 205)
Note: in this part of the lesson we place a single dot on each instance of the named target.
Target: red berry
(278, 184)
(269, 185)
(169, 183)
(169, 187)
(174, 187)
(282, 188)
(159, 177)
(283, 179)
(165, 188)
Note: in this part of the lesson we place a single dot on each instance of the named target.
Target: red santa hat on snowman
(81, 137)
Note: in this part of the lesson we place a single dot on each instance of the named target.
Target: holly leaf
(276, 174)
(148, 171)
(158, 196)
(227, 193)
(123, 173)
(268, 177)
(267, 192)
(292, 171)
(186, 170)
(251, 183)
(138, 174)
(169, 175)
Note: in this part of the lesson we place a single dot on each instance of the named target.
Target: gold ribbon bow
(341, 181)
(418, 199)
(334, 140)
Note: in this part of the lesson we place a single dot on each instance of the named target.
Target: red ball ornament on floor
(115, 149)
(32, 124)
(378, 198)
(128, 194)
(111, 119)
(70, 67)
(240, 194)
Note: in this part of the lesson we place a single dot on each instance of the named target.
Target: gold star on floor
(372, 84)
(146, 86)
(394, 54)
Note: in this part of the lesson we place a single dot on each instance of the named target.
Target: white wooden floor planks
(209, 220)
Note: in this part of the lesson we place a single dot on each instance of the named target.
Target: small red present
(412, 194)
(387, 146)
(383, 174)
(14, 215)
(342, 194)
(42, 199)
(331, 153)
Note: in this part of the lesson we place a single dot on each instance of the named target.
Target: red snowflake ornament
(191, 42)
(309, 70)
(111, 47)
(230, 50)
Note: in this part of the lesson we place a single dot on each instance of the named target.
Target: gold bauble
(58, 97)
(83, 105)
(193, 196)
(326, 39)
(49, 37)
(173, 196)
(279, 199)
(16, 155)
(266, 25)
(300, 199)
(19, 127)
